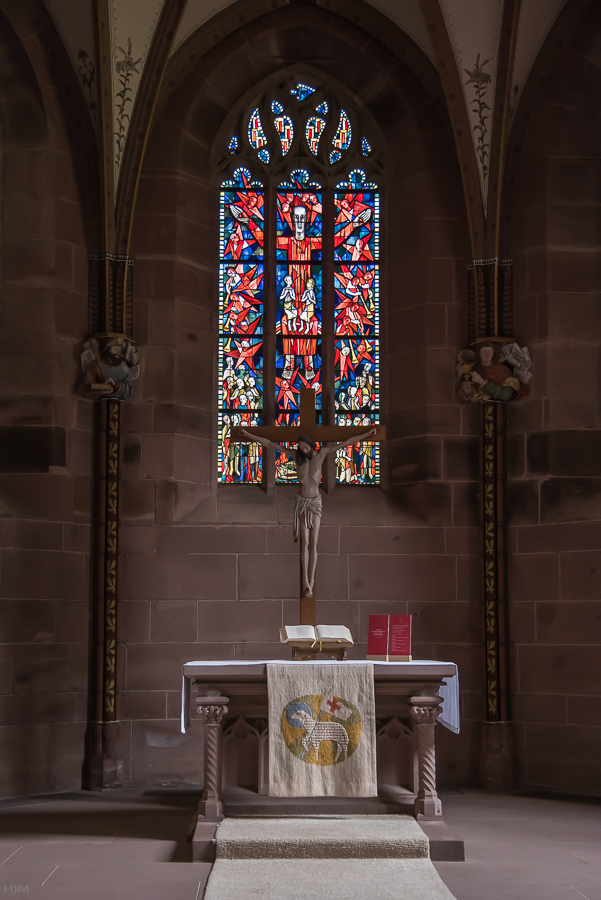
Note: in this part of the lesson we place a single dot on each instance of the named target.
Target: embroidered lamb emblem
(321, 729)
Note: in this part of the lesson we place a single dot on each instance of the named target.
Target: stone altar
(231, 702)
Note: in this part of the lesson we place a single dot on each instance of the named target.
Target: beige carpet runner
(324, 858)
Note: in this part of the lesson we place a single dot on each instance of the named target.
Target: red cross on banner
(331, 705)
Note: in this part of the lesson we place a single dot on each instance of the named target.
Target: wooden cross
(308, 426)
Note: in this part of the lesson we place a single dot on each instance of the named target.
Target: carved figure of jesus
(307, 508)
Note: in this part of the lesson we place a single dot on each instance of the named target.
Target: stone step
(241, 803)
(322, 837)
(325, 879)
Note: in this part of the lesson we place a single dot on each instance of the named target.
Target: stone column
(102, 765)
(496, 765)
(211, 711)
(424, 713)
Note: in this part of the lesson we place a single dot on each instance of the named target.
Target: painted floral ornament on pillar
(109, 366)
(493, 370)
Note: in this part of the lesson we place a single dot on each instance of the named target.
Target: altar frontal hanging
(321, 730)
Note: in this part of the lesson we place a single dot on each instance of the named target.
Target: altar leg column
(211, 711)
(424, 713)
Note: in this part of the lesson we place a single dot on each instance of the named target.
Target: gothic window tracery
(299, 276)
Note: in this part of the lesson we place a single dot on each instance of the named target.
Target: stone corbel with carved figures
(110, 365)
(493, 370)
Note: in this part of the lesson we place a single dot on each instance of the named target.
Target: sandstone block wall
(555, 439)
(210, 572)
(45, 435)
(214, 572)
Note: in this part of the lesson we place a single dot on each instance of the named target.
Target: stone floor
(113, 846)
(133, 844)
(524, 847)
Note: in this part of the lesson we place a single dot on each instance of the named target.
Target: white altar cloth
(449, 690)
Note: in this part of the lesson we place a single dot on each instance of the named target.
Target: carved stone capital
(425, 710)
(425, 715)
(211, 709)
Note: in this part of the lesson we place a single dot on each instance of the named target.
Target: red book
(377, 641)
(399, 643)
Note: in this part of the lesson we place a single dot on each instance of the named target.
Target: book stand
(302, 650)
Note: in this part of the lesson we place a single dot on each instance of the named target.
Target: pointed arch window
(298, 277)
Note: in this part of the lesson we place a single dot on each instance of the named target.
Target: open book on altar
(307, 635)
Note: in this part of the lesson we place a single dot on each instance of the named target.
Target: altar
(231, 703)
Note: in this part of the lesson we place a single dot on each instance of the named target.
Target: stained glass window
(313, 132)
(241, 277)
(343, 137)
(302, 91)
(310, 294)
(285, 128)
(256, 136)
(299, 290)
(356, 312)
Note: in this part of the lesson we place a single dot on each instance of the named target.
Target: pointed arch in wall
(215, 548)
(62, 103)
(423, 204)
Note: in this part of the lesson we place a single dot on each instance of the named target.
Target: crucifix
(309, 462)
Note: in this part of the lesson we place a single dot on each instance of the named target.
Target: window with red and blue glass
(298, 277)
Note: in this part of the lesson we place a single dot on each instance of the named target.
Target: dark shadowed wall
(555, 442)
(45, 431)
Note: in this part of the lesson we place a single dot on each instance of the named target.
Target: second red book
(389, 638)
